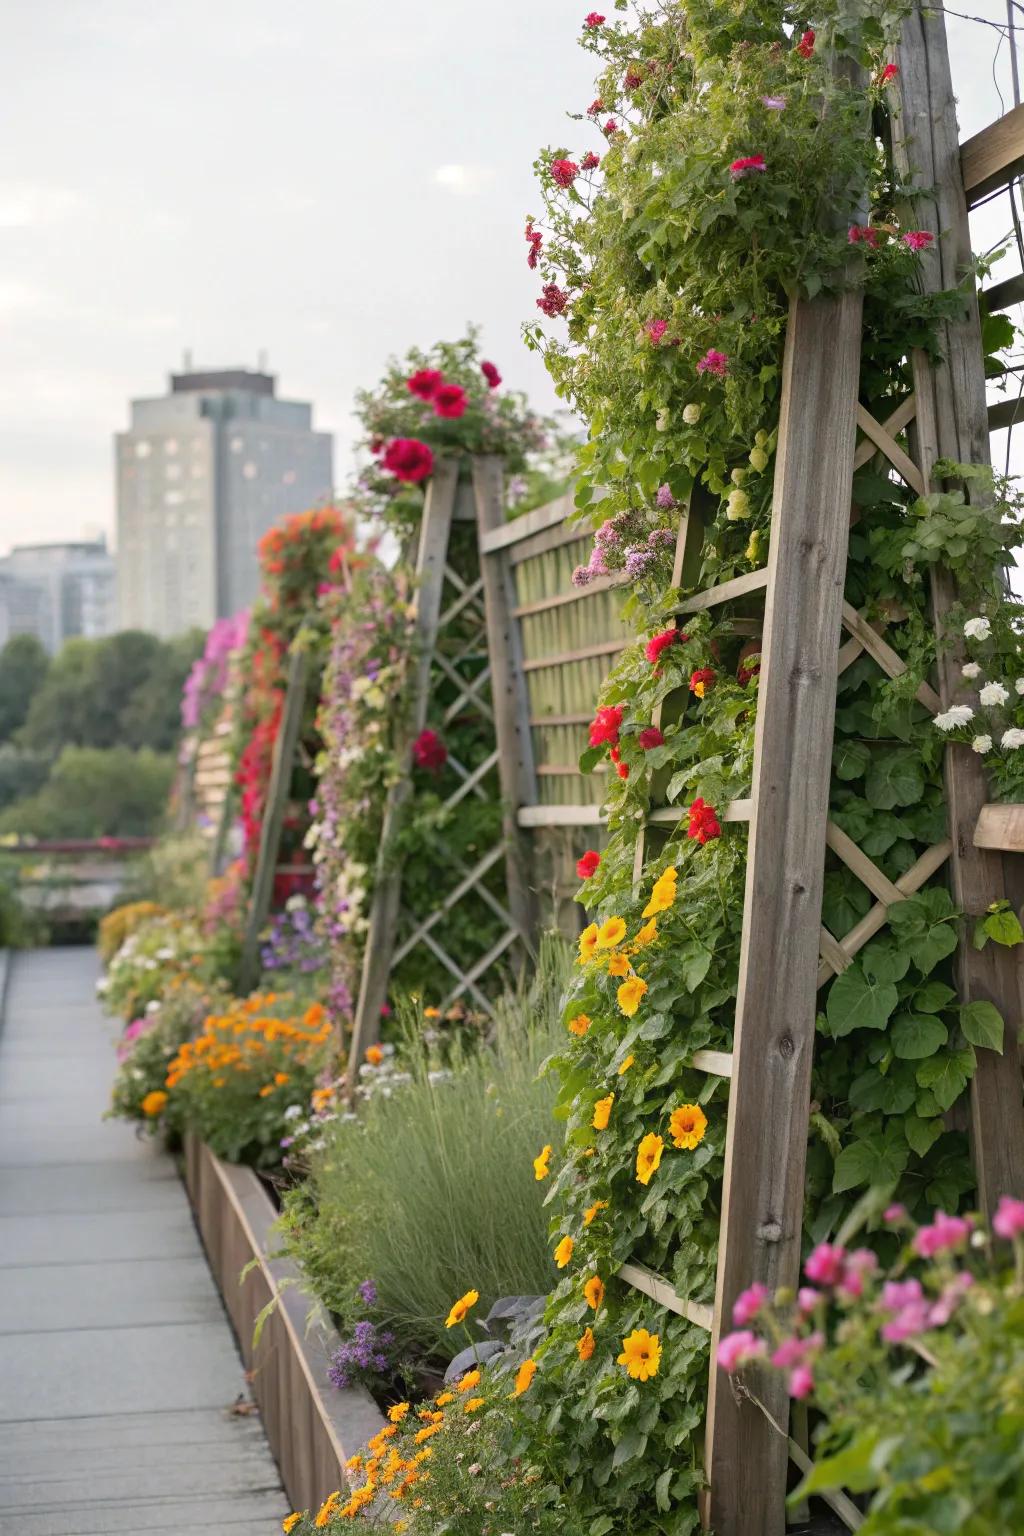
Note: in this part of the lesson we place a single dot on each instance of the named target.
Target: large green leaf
(916, 1035)
(876, 1159)
(947, 1075)
(982, 1024)
(924, 926)
(894, 778)
(850, 759)
(855, 1002)
(921, 1134)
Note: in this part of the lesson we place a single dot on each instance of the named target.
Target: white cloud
(464, 180)
(23, 205)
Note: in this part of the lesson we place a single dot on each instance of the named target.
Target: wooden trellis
(481, 604)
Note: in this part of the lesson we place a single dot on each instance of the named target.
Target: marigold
(588, 943)
(469, 1381)
(611, 933)
(688, 1124)
(625, 1065)
(524, 1376)
(592, 1210)
(473, 1404)
(289, 1522)
(153, 1104)
(426, 1432)
(397, 1412)
(445, 1399)
(579, 1025)
(327, 1509)
(540, 1163)
(374, 1055)
(648, 1156)
(563, 1253)
(618, 965)
(603, 1110)
(461, 1307)
(594, 1291)
(629, 995)
(641, 1354)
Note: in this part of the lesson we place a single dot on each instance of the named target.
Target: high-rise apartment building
(57, 591)
(202, 473)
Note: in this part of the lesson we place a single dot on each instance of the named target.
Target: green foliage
(23, 668)
(96, 792)
(21, 773)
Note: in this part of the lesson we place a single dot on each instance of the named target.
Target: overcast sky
(330, 182)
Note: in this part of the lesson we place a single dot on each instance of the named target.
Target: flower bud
(691, 415)
(758, 459)
(738, 506)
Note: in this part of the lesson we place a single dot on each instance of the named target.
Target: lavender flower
(638, 562)
(581, 576)
(368, 1291)
(664, 499)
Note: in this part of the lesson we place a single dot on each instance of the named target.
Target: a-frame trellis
(481, 668)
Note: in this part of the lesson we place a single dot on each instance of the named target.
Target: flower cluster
(208, 678)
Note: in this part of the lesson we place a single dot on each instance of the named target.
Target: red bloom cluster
(564, 172)
(888, 73)
(703, 822)
(535, 240)
(605, 726)
(408, 459)
(918, 239)
(587, 866)
(702, 681)
(428, 384)
(750, 666)
(595, 107)
(610, 127)
(593, 20)
(747, 165)
(661, 642)
(805, 47)
(424, 383)
(450, 401)
(491, 374)
(651, 737)
(714, 362)
(863, 234)
(553, 300)
(656, 329)
(590, 161)
(632, 80)
(429, 752)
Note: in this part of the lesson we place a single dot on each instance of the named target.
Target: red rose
(564, 172)
(703, 822)
(605, 726)
(408, 459)
(590, 161)
(553, 300)
(661, 642)
(651, 737)
(593, 20)
(491, 374)
(587, 866)
(450, 401)
(429, 752)
(425, 383)
(805, 47)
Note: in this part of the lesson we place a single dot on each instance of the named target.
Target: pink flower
(918, 239)
(801, 1381)
(747, 165)
(888, 73)
(610, 127)
(595, 108)
(491, 374)
(825, 1265)
(408, 459)
(649, 738)
(450, 401)
(749, 1303)
(774, 103)
(714, 362)
(590, 161)
(535, 240)
(631, 80)
(865, 233)
(805, 47)
(1008, 1220)
(564, 172)
(656, 329)
(907, 1308)
(660, 642)
(894, 1213)
(664, 499)
(593, 20)
(588, 865)
(944, 1235)
(735, 1349)
(429, 752)
(424, 383)
(952, 1294)
(807, 1299)
(553, 300)
(859, 1265)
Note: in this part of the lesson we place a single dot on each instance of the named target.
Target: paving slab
(110, 1294)
(92, 1238)
(147, 1183)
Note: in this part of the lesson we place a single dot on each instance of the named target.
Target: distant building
(202, 473)
(57, 591)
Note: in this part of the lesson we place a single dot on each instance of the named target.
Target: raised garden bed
(312, 1427)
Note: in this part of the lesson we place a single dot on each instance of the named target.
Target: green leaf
(602, 1525)
(693, 961)
(982, 1024)
(916, 1035)
(932, 997)
(894, 778)
(850, 759)
(590, 757)
(850, 1469)
(855, 1002)
(921, 1134)
(876, 1159)
(1004, 927)
(923, 925)
(661, 1488)
(947, 1075)
(882, 961)
(632, 1444)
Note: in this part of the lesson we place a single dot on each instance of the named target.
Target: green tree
(23, 668)
(96, 792)
(21, 773)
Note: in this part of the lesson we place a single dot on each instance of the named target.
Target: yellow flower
(663, 894)
(540, 1164)
(625, 1066)
(629, 995)
(592, 1210)
(327, 1509)
(688, 1124)
(445, 1399)
(647, 934)
(400, 1525)
(585, 1345)
(641, 1354)
(264, 1092)
(154, 1102)
(611, 933)
(588, 943)
(698, 688)
(374, 1055)
(426, 1432)
(579, 1025)
(473, 1404)
(397, 1412)
(563, 1253)
(461, 1307)
(594, 1291)
(431, 1013)
(648, 1156)
(524, 1376)
(289, 1522)
(618, 965)
(602, 1113)
(469, 1381)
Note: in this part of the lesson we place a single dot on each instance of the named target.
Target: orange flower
(611, 933)
(648, 1156)
(445, 1399)
(629, 995)
(641, 1354)
(602, 1113)
(461, 1307)
(563, 1253)
(469, 1381)
(688, 1124)
(594, 1291)
(588, 943)
(374, 1055)
(585, 1345)
(625, 1066)
(153, 1104)
(579, 1025)
(472, 1405)
(540, 1164)
(592, 1210)
(647, 934)
(397, 1412)
(618, 965)
(524, 1376)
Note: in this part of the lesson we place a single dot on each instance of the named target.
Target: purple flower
(581, 576)
(638, 562)
(664, 499)
(368, 1291)
(774, 103)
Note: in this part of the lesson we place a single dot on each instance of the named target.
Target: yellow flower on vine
(603, 1112)
(611, 933)
(630, 994)
(648, 1157)
(588, 943)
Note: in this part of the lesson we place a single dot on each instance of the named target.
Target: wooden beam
(1003, 295)
(739, 586)
(992, 158)
(1000, 826)
(952, 423)
(659, 1290)
(769, 1106)
(1005, 413)
(512, 531)
(585, 653)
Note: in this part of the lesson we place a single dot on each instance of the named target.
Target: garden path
(117, 1362)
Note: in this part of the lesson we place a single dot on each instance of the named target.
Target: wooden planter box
(1000, 826)
(312, 1427)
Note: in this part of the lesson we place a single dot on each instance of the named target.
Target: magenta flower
(735, 1349)
(656, 329)
(553, 300)
(564, 172)
(664, 499)
(826, 1264)
(859, 1265)
(1008, 1220)
(807, 1299)
(801, 1381)
(945, 1234)
(747, 165)
(593, 20)
(749, 1302)
(649, 738)
(918, 239)
(714, 362)
(590, 161)
(610, 127)
(894, 1213)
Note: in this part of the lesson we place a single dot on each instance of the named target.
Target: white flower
(982, 744)
(977, 629)
(956, 714)
(1012, 738)
(292, 1111)
(970, 669)
(691, 415)
(1019, 685)
(993, 693)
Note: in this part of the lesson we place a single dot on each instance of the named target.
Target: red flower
(429, 752)
(651, 737)
(491, 374)
(338, 558)
(408, 459)
(805, 47)
(450, 401)
(656, 329)
(590, 161)
(703, 822)
(747, 165)
(425, 383)
(918, 239)
(749, 663)
(593, 20)
(587, 866)
(888, 73)
(702, 681)
(660, 642)
(632, 80)
(714, 362)
(553, 300)
(605, 726)
(610, 127)
(564, 172)
(623, 770)
(614, 754)
(536, 240)
(865, 233)
(595, 107)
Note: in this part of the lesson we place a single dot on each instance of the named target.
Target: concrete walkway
(117, 1362)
